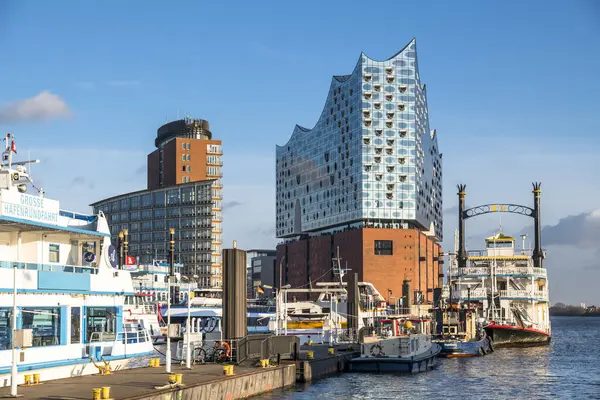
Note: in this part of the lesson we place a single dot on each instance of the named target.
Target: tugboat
(459, 334)
(397, 344)
(512, 292)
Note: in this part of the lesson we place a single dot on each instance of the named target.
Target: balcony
(508, 271)
(524, 294)
(479, 293)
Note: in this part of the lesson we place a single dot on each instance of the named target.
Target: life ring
(376, 351)
(227, 349)
(130, 313)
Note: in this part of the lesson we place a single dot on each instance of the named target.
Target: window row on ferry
(53, 326)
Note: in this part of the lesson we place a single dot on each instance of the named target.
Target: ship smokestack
(538, 256)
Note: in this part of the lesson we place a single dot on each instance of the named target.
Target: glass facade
(370, 159)
(149, 214)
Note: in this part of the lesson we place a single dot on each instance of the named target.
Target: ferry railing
(517, 252)
(49, 267)
(473, 294)
(102, 337)
(135, 336)
(524, 294)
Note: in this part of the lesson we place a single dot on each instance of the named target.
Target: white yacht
(62, 297)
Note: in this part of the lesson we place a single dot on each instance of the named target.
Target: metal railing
(102, 337)
(136, 336)
(49, 267)
(524, 294)
(475, 271)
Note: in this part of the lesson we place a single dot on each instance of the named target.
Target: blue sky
(512, 92)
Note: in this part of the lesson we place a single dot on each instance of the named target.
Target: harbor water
(568, 368)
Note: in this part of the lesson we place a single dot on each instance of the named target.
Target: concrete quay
(323, 363)
(202, 382)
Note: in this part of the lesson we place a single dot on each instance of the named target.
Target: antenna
(500, 223)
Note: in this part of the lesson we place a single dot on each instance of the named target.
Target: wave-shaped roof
(341, 81)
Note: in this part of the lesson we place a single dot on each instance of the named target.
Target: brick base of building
(383, 257)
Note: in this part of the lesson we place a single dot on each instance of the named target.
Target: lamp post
(13, 370)
(523, 237)
(276, 307)
(171, 272)
(281, 269)
(188, 324)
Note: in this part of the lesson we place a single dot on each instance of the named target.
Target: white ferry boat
(511, 292)
(62, 297)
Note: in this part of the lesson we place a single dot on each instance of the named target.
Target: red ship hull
(516, 336)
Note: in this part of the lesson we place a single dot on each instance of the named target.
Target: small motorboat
(397, 344)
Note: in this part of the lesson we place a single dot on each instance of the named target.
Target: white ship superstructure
(61, 297)
(513, 293)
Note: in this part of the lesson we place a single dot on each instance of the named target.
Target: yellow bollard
(28, 379)
(172, 378)
(179, 378)
(96, 393)
(231, 370)
(225, 369)
(36, 378)
(331, 350)
(264, 363)
(310, 355)
(106, 392)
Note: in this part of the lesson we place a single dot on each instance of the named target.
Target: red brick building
(383, 257)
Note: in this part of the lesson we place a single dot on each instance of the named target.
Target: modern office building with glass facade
(149, 214)
(370, 162)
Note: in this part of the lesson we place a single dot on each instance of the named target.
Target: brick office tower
(366, 179)
(187, 153)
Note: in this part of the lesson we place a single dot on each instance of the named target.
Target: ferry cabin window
(383, 247)
(499, 245)
(45, 323)
(5, 328)
(54, 253)
(100, 319)
(75, 325)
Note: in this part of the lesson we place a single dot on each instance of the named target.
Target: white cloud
(42, 106)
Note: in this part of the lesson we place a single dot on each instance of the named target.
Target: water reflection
(568, 368)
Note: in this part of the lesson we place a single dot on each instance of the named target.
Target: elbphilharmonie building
(371, 162)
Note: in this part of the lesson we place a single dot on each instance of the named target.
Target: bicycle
(218, 353)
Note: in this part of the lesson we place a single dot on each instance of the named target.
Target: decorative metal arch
(490, 208)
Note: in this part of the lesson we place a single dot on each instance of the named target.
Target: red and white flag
(129, 260)
(13, 146)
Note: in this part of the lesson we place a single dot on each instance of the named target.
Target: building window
(183, 157)
(45, 323)
(383, 247)
(53, 253)
(102, 321)
(75, 325)
(189, 157)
